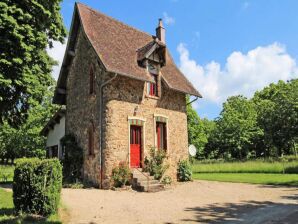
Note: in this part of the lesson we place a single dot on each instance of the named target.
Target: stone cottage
(123, 95)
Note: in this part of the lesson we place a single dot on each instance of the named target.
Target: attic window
(153, 87)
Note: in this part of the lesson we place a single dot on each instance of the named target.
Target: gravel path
(198, 201)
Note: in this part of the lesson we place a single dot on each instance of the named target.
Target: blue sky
(224, 47)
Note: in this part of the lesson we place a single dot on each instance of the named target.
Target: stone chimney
(161, 32)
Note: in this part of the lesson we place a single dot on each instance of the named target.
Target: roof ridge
(116, 20)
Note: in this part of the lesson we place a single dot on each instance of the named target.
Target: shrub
(121, 174)
(37, 186)
(72, 159)
(184, 171)
(155, 163)
(167, 180)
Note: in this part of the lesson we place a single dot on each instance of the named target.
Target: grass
(253, 178)
(255, 172)
(6, 173)
(246, 167)
(7, 212)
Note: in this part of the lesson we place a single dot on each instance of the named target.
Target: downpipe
(101, 125)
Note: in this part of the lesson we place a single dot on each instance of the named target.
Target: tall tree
(26, 140)
(27, 27)
(236, 128)
(277, 107)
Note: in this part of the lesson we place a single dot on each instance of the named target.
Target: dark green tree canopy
(27, 27)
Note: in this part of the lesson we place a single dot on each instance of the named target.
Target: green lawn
(246, 167)
(254, 178)
(6, 173)
(7, 212)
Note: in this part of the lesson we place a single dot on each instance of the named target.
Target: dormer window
(153, 87)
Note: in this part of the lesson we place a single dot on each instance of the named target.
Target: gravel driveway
(198, 201)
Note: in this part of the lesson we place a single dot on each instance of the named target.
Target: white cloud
(168, 19)
(242, 73)
(57, 53)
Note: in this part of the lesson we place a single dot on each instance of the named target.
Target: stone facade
(123, 99)
(82, 107)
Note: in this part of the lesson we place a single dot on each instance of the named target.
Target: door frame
(137, 121)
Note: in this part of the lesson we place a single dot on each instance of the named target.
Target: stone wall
(82, 108)
(121, 98)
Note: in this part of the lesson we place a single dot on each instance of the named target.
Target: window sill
(153, 97)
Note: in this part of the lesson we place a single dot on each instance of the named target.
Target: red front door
(135, 146)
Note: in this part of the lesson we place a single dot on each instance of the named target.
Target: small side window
(91, 139)
(91, 80)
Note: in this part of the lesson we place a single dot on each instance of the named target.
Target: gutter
(101, 124)
(192, 100)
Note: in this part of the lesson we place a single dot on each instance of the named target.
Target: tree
(277, 108)
(236, 129)
(26, 141)
(198, 130)
(27, 27)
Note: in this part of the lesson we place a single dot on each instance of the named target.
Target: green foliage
(121, 174)
(277, 108)
(198, 130)
(27, 29)
(155, 164)
(252, 178)
(72, 160)
(184, 171)
(26, 141)
(37, 186)
(257, 166)
(264, 126)
(167, 180)
(236, 129)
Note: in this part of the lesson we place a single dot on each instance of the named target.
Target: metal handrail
(147, 177)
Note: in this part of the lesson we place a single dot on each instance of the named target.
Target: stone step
(152, 187)
(144, 182)
(143, 177)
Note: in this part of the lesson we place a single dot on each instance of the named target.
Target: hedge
(37, 185)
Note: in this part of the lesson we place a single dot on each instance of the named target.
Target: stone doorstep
(144, 182)
(152, 187)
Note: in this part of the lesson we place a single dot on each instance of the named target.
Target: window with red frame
(152, 88)
(91, 80)
(161, 134)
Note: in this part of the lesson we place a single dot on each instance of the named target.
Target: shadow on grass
(8, 216)
(10, 219)
(6, 185)
(245, 212)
